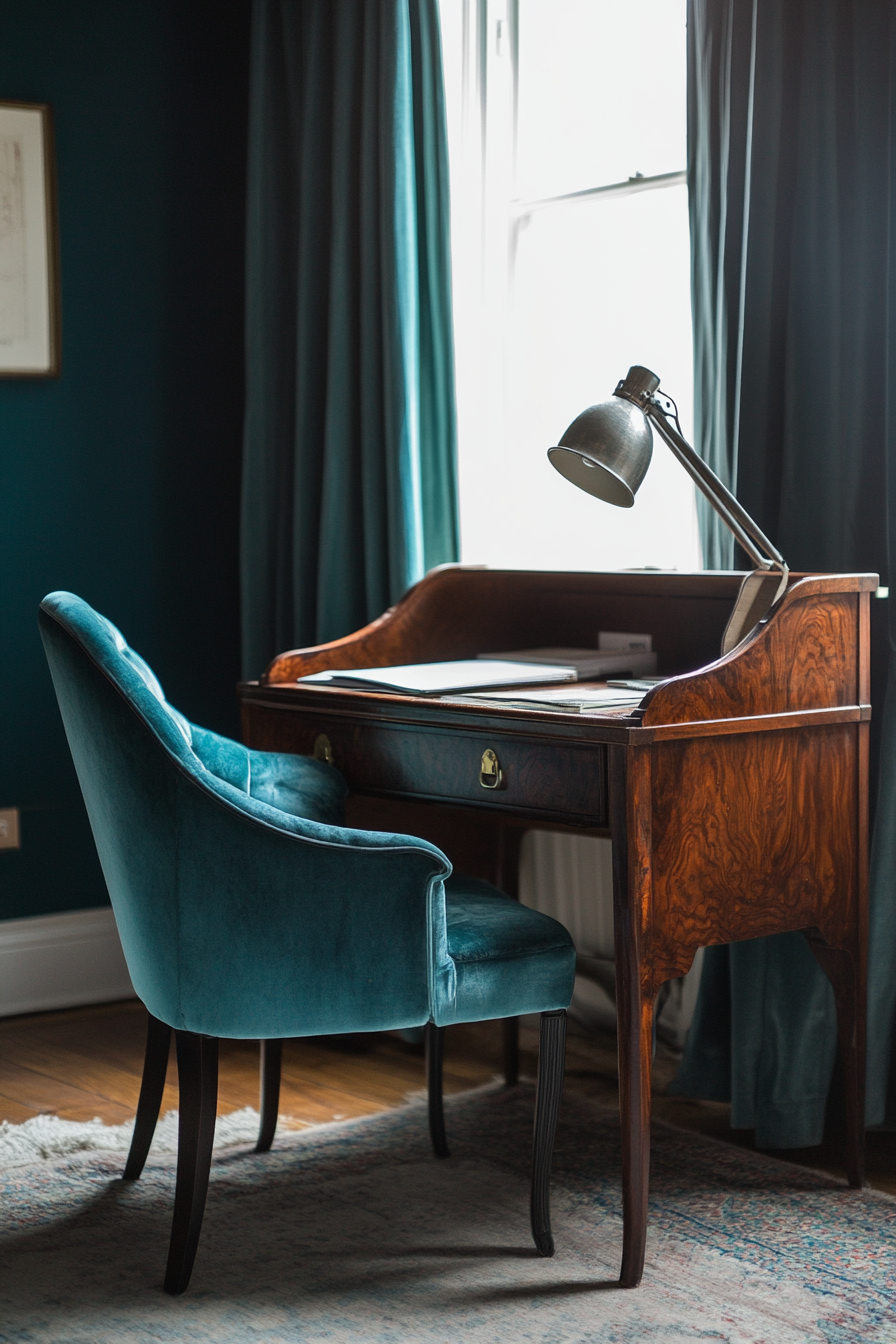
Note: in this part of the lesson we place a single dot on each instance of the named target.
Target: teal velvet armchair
(247, 910)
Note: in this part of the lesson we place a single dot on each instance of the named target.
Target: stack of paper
(623, 641)
(570, 699)
(441, 678)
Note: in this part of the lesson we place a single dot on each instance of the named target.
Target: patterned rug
(354, 1231)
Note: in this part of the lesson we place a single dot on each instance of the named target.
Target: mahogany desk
(735, 795)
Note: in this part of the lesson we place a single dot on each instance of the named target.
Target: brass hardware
(322, 749)
(491, 776)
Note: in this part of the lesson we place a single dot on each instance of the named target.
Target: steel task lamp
(606, 451)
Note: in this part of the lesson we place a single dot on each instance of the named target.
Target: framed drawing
(29, 298)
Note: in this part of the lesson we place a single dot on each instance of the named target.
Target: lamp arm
(732, 513)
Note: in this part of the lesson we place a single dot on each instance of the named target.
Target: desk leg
(841, 949)
(635, 1026)
(848, 982)
(510, 1040)
(634, 1010)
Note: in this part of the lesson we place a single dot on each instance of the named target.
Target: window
(567, 139)
(567, 126)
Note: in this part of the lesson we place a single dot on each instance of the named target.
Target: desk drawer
(554, 780)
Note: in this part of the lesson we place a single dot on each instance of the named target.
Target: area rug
(48, 1136)
(354, 1231)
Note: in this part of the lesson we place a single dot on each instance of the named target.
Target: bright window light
(555, 298)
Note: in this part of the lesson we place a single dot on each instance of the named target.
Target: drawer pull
(491, 776)
(322, 749)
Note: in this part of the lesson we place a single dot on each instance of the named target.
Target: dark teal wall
(119, 480)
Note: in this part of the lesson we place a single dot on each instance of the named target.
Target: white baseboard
(61, 961)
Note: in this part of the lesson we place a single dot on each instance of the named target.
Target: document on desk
(469, 674)
(576, 699)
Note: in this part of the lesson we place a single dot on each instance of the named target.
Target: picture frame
(29, 243)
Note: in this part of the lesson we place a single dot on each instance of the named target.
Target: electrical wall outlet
(9, 828)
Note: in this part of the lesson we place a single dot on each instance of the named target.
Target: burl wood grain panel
(751, 836)
(805, 657)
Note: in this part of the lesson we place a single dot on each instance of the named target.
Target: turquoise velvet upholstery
(245, 907)
(503, 953)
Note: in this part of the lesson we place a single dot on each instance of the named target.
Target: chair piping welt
(509, 956)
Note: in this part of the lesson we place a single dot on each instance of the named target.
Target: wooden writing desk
(735, 795)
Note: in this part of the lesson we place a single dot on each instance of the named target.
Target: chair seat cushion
(508, 959)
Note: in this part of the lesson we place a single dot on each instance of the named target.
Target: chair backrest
(237, 916)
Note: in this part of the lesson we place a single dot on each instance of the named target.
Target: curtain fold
(349, 470)
(720, 82)
(792, 176)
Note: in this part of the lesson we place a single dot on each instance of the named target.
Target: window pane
(598, 286)
(601, 93)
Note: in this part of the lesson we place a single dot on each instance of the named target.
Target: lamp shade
(606, 451)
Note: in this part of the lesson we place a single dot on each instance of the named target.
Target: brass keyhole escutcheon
(322, 749)
(491, 776)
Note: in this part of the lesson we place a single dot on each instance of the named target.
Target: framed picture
(29, 298)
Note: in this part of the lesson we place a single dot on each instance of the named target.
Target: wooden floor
(87, 1062)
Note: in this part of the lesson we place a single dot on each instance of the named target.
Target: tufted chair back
(245, 907)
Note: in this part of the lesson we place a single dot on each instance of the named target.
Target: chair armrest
(287, 927)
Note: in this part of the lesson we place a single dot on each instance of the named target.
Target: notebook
(466, 674)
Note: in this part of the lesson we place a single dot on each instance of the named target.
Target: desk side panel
(806, 656)
(754, 835)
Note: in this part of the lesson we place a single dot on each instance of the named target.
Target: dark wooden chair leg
(435, 1051)
(197, 1070)
(849, 993)
(269, 1063)
(510, 1030)
(155, 1068)
(551, 1061)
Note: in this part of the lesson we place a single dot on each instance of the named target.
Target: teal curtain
(792, 180)
(349, 477)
